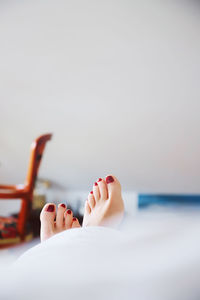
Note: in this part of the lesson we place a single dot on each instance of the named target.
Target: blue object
(145, 200)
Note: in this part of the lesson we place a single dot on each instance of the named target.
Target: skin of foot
(53, 222)
(104, 206)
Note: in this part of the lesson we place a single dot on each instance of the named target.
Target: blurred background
(116, 82)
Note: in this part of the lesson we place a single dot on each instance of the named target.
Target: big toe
(47, 217)
(113, 185)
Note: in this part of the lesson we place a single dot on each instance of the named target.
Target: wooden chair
(14, 230)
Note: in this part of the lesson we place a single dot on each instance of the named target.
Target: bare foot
(104, 206)
(64, 220)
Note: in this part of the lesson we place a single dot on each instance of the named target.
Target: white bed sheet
(155, 256)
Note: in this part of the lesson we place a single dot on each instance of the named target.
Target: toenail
(50, 208)
(63, 205)
(69, 211)
(95, 183)
(109, 179)
(91, 192)
(74, 219)
(99, 179)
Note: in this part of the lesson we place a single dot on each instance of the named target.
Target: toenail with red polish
(69, 212)
(109, 179)
(99, 179)
(91, 192)
(63, 205)
(95, 183)
(50, 208)
(74, 219)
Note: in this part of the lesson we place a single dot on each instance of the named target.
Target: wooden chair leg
(23, 217)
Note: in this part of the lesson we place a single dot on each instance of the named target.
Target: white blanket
(156, 256)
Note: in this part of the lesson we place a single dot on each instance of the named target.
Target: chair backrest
(37, 149)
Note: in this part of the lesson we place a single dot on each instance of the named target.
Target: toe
(75, 223)
(113, 185)
(48, 214)
(60, 216)
(68, 218)
(96, 192)
(102, 189)
(91, 200)
(47, 217)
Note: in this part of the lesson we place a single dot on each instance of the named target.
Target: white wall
(117, 82)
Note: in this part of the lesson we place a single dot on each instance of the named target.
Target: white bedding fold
(151, 258)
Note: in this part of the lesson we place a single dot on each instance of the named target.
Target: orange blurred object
(25, 193)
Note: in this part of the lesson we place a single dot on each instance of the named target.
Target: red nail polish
(95, 183)
(69, 212)
(63, 205)
(91, 192)
(74, 219)
(50, 208)
(109, 179)
(99, 179)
